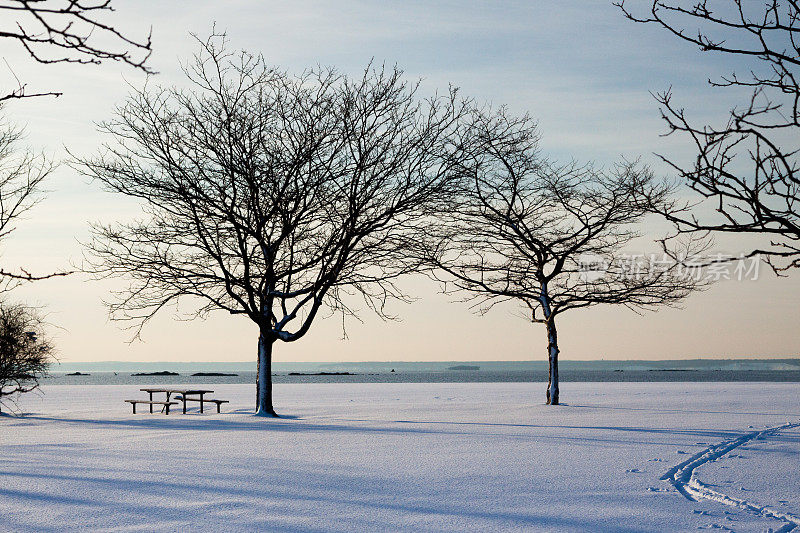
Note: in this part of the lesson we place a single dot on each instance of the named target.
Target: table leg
(201, 402)
(151, 399)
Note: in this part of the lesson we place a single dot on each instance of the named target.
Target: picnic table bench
(202, 401)
(183, 395)
(165, 405)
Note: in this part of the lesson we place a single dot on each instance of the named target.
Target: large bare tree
(67, 31)
(270, 195)
(549, 237)
(745, 171)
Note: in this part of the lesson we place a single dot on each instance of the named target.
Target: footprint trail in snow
(683, 478)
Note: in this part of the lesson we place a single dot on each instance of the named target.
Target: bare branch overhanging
(68, 31)
(746, 168)
(21, 175)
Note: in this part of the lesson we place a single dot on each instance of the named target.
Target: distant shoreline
(400, 375)
(227, 367)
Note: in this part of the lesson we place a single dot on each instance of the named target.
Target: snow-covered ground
(411, 457)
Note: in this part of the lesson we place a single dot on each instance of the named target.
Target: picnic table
(185, 395)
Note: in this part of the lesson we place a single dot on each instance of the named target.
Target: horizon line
(250, 361)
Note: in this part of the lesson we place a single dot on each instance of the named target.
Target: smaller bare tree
(25, 351)
(67, 31)
(549, 237)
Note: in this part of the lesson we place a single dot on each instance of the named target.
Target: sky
(580, 68)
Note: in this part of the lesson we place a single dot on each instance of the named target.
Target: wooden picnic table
(184, 393)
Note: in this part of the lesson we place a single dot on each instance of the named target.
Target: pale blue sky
(577, 66)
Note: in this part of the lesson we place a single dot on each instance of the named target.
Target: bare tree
(270, 195)
(747, 167)
(21, 175)
(524, 230)
(25, 352)
(67, 31)
(50, 31)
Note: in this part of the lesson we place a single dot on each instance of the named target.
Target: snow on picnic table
(398, 457)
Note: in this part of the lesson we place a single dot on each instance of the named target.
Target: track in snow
(683, 478)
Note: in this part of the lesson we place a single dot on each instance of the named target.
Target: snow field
(406, 457)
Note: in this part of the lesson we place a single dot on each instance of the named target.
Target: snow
(684, 478)
(407, 457)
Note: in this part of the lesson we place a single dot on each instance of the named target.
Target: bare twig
(68, 31)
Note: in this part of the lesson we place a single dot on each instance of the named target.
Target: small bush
(25, 352)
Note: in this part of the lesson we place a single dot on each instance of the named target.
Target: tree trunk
(552, 346)
(552, 357)
(264, 377)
